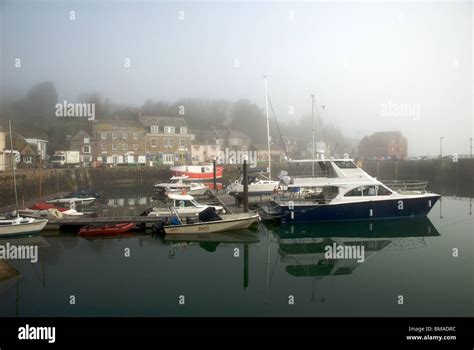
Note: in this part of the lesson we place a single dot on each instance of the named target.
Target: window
(155, 129)
(124, 146)
(103, 146)
(183, 130)
(168, 158)
(124, 136)
(356, 192)
(135, 135)
(345, 164)
(86, 140)
(153, 142)
(368, 190)
(196, 147)
(169, 130)
(86, 149)
(114, 147)
(135, 147)
(382, 191)
(103, 135)
(169, 142)
(182, 142)
(114, 136)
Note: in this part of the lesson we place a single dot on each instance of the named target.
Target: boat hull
(380, 209)
(67, 201)
(23, 229)
(237, 222)
(197, 172)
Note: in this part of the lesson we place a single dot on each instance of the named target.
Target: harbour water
(273, 271)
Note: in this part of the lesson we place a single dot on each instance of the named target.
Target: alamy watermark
(37, 333)
(400, 110)
(78, 110)
(335, 251)
(228, 156)
(20, 252)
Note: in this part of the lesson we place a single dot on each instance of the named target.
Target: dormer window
(169, 130)
(155, 129)
(183, 130)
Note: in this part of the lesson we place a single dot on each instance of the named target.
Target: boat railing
(309, 174)
(406, 185)
(299, 197)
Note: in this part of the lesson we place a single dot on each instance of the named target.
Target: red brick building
(388, 144)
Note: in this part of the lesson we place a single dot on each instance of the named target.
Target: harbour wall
(444, 176)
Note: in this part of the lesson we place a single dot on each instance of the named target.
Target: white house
(40, 146)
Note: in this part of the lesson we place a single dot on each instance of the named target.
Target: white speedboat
(194, 189)
(178, 184)
(184, 205)
(213, 223)
(76, 200)
(175, 183)
(17, 225)
(257, 184)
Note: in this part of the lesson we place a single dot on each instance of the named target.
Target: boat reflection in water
(210, 241)
(303, 246)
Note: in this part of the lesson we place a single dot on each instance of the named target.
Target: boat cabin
(183, 200)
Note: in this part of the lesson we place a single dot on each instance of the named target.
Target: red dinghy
(106, 230)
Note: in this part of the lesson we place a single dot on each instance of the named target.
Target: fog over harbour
(373, 66)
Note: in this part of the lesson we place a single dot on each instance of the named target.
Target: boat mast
(268, 130)
(13, 167)
(312, 128)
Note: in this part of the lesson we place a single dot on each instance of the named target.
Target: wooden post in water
(214, 174)
(246, 266)
(246, 187)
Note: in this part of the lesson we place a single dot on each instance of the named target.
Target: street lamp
(441, 147)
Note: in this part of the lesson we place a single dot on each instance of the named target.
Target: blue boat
(338, 190)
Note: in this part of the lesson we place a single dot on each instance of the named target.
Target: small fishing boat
(258, 183)
(178, 184)
(16, 225)
(198, 172)
(210, 222)
(68, 200)
(195, 189)
(183, 204)
(106, 230)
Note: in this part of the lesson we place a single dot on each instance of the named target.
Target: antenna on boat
(268, 130)
(312, 129)
(13, 167)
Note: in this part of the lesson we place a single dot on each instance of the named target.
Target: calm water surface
(411, 258)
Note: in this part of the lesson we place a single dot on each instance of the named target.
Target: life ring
(55, 213)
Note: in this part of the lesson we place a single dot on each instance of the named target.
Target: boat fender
(55, 213)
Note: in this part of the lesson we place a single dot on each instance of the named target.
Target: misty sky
(362, 60)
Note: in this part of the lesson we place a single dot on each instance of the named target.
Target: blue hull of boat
(381, 209)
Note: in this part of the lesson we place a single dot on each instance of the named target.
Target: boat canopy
(180, 197)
